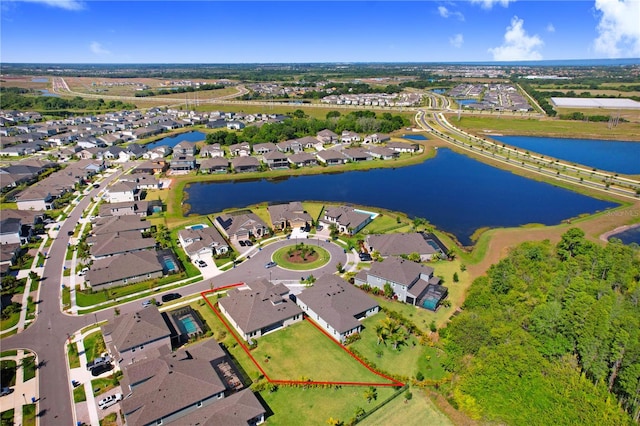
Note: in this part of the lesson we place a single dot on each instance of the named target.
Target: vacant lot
(418, 411)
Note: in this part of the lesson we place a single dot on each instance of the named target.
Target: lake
(629, 236)
(45, 92)
(613, 156)
(175, 140)
(455, 193)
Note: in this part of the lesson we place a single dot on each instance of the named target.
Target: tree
(340, 268)
(371, 394)
(455, 277)
(388, 291)
(381, 333)
(414, 257)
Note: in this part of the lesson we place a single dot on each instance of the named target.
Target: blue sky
(76, 31)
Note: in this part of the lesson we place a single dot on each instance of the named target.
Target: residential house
(212, 151)
(107, 245)
(331, 157)
(260, 310)
(349, 137)
(401, 244)
(308, 142)
(263, 148)
(276, 160)
(326, 136)
(203, 243)
(383, 153)
(242, 149)
(291, 145)
(9, 254)
(182, 162)
(119, 223)
(235, 125)
(196, 385)
(242, 226)
(290, 215)
(35, 197)
(129, 208)
(122, 191)
(412, 283)
(302, 159)
(214, 165)
(403, 147)
(346, 219)
(124, 269)
(245, 164)
(11, 231)
(216, 124)
(150, 167)
(185, 148)
(336, 306)
(357, 154)
(132, 336)
(377, 138)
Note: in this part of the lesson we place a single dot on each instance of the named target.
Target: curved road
(46, 336)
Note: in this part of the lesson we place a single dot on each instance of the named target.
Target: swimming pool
(170, 264)
(188, 324)
(435, 246)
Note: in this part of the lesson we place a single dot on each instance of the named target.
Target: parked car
(98, 362)
(202, 263)
(365, 257)
(270, 265)
(110, 400)
(248, 243)
(101, 369)
(96, 185)
(171, 296)
(5, 391)
(242, 243)
(70, 233)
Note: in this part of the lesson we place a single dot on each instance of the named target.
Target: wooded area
(551, 336)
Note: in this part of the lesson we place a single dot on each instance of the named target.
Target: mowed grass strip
(417, 411)
(301, 352)
(314, 406)
(281, 257)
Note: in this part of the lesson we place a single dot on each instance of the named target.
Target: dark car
(96, 185)
(70, 233)
(5, 391)
(242, 243)
(248, 243)
(171, 296)
(365, 257)
(101, 369)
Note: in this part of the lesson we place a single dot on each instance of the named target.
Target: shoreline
(605, 237)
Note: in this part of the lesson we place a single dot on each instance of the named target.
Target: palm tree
(381, 333)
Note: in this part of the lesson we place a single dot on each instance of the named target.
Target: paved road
(47, 335)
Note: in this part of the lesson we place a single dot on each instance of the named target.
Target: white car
(108, 401)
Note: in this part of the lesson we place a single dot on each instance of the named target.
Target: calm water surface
(175, 140)
(614, 156)
(629, 236)
(454, 192)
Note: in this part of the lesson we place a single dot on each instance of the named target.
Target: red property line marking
(244, 347)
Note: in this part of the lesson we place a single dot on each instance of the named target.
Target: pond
(613, 156)
(457, 194)
(415, 137)
(466, 101)
(628, 236)
(39, 80)
(45, 92)
(175, 140)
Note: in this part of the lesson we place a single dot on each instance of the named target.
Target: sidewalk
(23, 392)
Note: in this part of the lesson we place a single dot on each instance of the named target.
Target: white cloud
(518, 45)
(445, 13)
(63, 4)
(619, 28)
(551, 28)
(456, 40)
(97, 49)
(488, 4)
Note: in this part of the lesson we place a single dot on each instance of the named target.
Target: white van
(108, 401)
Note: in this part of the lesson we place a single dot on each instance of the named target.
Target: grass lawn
(314, 209)
(72, 353)
(407, 360)
(29, 415)
(102, 385)
(13, 319)
(6, 418)
(281, 257)
(66, 297)
(8, 372)
(317, 405)
(298, 350)
(418, 411)
(110, 419)
(28, 368)
(79, 395)
(93, 345)
(9, 353)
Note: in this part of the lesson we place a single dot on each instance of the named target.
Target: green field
(93, 345)
(296, 352)
(418, 411)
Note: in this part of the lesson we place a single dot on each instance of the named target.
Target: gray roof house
(241, 149)
(263, 148)
(263, 308)
(401, 244)
(346, 219)
(291, 145)
(123, 269)
(403, 147)
(202, 242)
(185, 148)
(357, 154)
(115, 224)
(214, 165)
(302, 159)
(190, 386)
(326, 136)
(132, 336)
(336, 306)
(242, 226)
(182, 162)
(383, 153)
(291, 215)
(245, 164)
(105, 245)
(276, 160)
(213, 151)
(331, 157)
(412, 283)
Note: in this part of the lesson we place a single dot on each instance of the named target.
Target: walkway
(23, 392)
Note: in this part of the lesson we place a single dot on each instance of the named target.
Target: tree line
(22, 99)
(299, 125)
(182, 89)
(551, 333)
